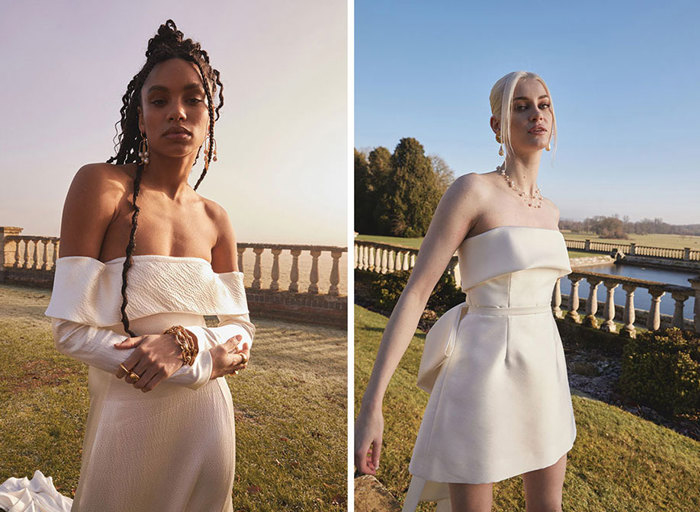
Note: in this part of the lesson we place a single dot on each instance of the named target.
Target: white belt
(502, 311)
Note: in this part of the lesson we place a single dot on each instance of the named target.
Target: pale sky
(624, 78)
(281, 139)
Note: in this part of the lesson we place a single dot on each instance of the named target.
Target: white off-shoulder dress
(501, 404)
(172, 448)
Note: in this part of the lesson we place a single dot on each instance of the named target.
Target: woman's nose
(178, 111)
(537, 113)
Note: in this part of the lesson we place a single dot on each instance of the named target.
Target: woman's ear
(495, 124)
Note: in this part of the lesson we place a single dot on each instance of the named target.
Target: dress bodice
(512, 266)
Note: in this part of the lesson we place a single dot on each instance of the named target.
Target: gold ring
(235, 372)
(124, 368)
(245, 359)
(134, 376)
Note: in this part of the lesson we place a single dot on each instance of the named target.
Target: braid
(168, 43)
(130, 248)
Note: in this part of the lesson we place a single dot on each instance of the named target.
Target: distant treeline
(397, 193)
(616, 227)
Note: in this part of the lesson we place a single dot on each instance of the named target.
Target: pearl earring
(143, 150)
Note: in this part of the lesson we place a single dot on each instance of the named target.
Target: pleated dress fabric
(501, 405)
(172, 448)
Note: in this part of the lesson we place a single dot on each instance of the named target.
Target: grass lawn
(619, 462)
(291, 404)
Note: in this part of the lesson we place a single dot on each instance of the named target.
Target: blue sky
(281, 139)
(624, 77)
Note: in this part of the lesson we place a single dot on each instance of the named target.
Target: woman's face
(173, 112)
(531, 117)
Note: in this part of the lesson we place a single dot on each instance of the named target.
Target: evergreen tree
(364, 194)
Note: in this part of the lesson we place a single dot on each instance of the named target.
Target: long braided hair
(168, 43)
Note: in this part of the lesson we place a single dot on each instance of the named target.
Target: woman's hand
(155, 358)
(230, 357)
(369, 429)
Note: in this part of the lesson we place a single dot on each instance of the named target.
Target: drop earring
(548, 148)
(206, 152)
(498, 139)
(143, 150)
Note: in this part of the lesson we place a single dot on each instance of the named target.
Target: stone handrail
(656, 289)
(295, 251)
(632, 249)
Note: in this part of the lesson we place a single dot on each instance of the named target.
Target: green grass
(290, 409)
(619, 462)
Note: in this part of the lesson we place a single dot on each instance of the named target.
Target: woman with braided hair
(143, 258)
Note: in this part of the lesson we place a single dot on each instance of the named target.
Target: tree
(410, 193)
(444, 174)
(364, 192)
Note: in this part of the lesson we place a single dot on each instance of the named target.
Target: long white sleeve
(95, 346)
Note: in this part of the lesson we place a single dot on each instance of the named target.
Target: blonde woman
(500, 405)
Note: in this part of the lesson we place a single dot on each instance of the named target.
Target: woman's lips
(538, 130)
(178, 136)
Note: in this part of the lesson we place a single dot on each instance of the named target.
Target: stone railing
(293, 282)
(294, 251)
(632, 249)
(383, 258)
(628, 313)
(386, 258)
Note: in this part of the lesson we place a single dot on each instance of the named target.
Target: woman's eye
(521, 107)
(196, 100)
(158, 102)
(544, 105)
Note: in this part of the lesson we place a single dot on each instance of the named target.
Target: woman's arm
(455, 215)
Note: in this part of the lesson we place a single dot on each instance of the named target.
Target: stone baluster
(257, 268)
(556, 300)
(275, 273)
(632, 248)
(241, 250)
(56, 245)
(413, 259)
(573, 300)
(45, 265)
(313, 276)
(372, 259)
(335, 273)
(391, 261)
(384, 265)
(628, 330)
(609, 323)
(695, 283)
(356, 256)
(294, 273)
(592, 303)
(654, 317)
(680, 298)
(18, 263)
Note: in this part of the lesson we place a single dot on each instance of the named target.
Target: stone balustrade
(632, 249)
(295, 251)
(383, 258)
(294, 282)
(627, 314)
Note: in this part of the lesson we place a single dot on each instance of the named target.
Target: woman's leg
(471, 497)
(543, 487)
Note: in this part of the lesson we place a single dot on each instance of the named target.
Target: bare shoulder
(553, 208)
(470, 190)
(92, 202)
(224, 252)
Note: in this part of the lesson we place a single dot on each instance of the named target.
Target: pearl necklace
(529, 199)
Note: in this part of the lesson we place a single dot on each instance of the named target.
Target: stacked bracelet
(187, 343)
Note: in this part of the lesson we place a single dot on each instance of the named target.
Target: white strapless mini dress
(501, 405)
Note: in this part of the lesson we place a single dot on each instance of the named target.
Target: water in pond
(642, 298)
